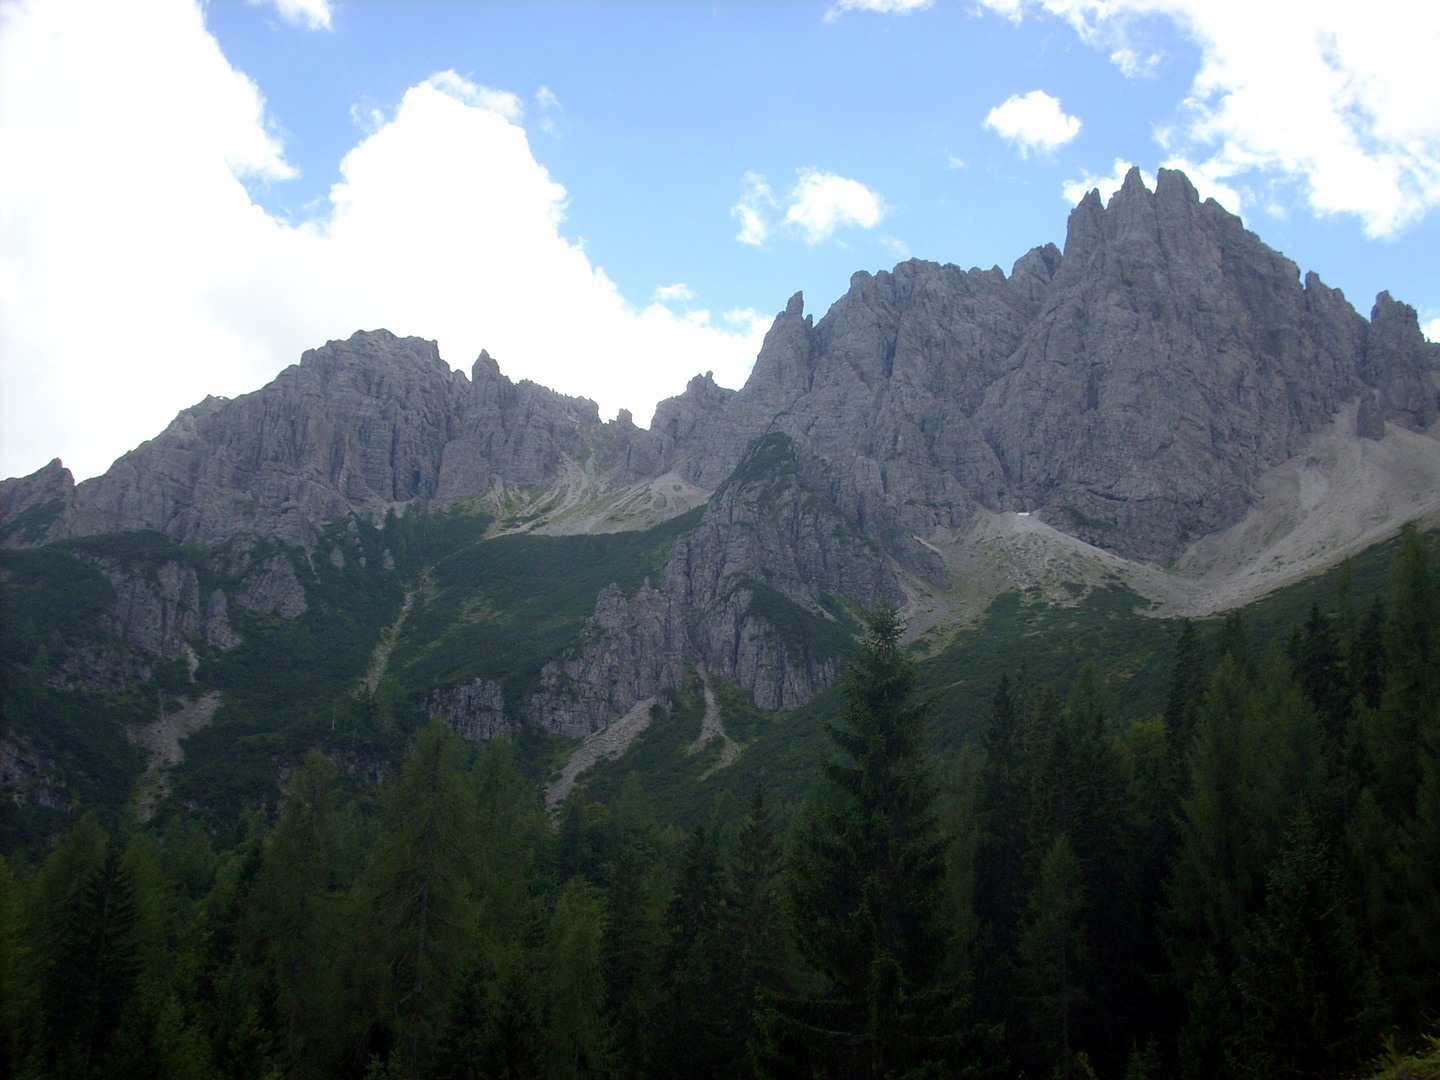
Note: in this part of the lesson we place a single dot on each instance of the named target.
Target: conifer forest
(1245, 884)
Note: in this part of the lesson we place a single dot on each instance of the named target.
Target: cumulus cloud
(823, 202)
(1339, 97)
(815, 207)
(137, 275)
(1033, 121)
(312, 14)
(1431, 329)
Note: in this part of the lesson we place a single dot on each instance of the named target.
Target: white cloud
(137, 275)
(823, 202)
(884, 7)
(312, 14)
(1075, 190)
(1431, 329)
(756, 200)
(816, 206)
(1033, 121)
(464, 91)
(1336, 95)
(953, 162)
(666, 294)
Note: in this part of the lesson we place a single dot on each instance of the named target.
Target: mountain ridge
(1164, 403)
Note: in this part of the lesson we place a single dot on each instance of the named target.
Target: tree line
(1246, 886)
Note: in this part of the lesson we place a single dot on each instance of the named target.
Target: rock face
(630, 649)
(1129, 390)
(476, 710)
(357, 427)
(752, 593)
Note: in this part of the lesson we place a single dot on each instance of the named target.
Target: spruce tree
(1053, 955)
(755, 933)
(420, 889)
(1309, 992)
(867, 890)
(697, 1038)
(1187, 689)
(93, 971)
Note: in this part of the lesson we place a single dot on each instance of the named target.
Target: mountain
(1164, 407)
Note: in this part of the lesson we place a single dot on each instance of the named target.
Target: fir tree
(1052, 950)
(867, 890)
(94, 969)
(420, 886)
(1309, 993)
(1187, 689)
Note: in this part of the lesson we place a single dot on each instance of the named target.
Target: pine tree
(15, 986)
(867, 889)
(755, 932)
(632, 946)
(292, 924)
(1079, 793)
(577, 1037)
(1245, 780)
(1005, 790)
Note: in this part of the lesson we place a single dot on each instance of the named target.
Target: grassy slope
(499, 609)
(1108, 628)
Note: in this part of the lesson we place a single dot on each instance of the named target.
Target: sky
(613, 197)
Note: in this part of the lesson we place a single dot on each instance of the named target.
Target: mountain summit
(1165, 403)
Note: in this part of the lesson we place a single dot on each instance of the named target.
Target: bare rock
(475, 710)
(30, 505)
(631, 648)
(273, 589)
(157, 615)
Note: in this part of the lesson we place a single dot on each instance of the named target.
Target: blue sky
(613, 196)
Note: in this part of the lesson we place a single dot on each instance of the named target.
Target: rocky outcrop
(1130, 390)
(751, 593)
(357, 427)
(30, 504)
(761, 577)
(157, 615)
(273, 589)
(475, 710)
(631, 648)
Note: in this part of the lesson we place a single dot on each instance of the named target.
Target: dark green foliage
(503, 607)
(866, 886)
(1187, 689)
(1309, 993)
(92, 968)
(421, 892)
(1156, 850)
